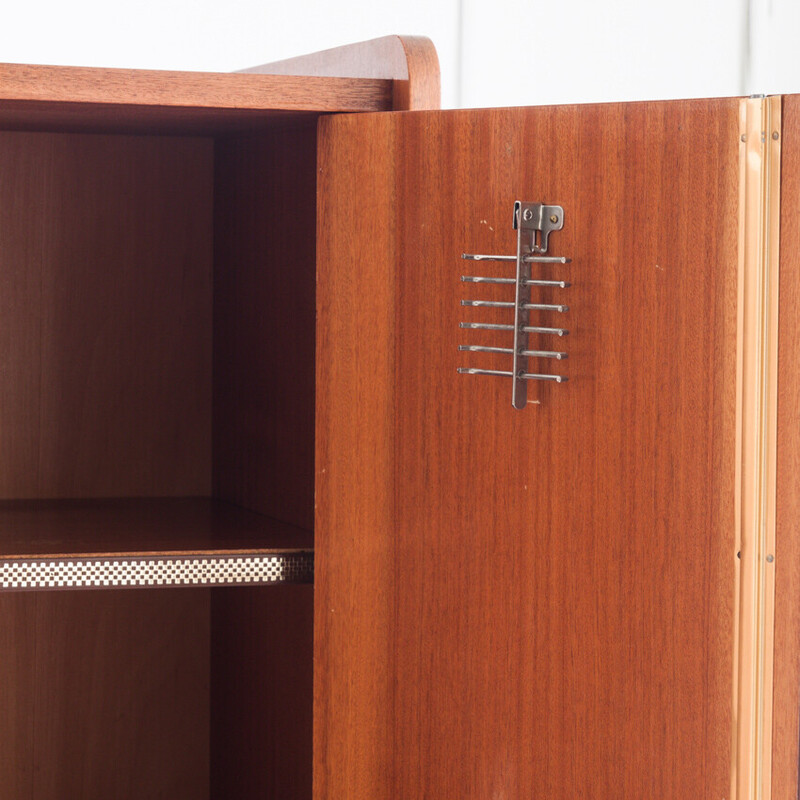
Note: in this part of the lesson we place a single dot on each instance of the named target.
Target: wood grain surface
(141, 526)
(261, 678)
(105, 315)
(264, 334)
(410, 62)
(116, 99)
(104, 699)
(786, 680)
(264, 325)
(532, 603)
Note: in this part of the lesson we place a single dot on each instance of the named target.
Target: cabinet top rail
(89, 99)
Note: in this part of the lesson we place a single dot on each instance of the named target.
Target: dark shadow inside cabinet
(157, 340)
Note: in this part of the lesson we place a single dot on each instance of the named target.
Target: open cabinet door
(535, 603)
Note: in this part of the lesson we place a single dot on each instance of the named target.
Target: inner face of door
(537, 602)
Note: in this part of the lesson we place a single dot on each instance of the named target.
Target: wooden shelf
(146, 542)
(148, 101)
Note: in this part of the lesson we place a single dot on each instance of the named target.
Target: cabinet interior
(157, 332)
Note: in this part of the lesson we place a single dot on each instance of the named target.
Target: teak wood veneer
(157, 337)
(230, 313)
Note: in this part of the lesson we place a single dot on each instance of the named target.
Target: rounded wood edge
(411, 62)
(422, 90)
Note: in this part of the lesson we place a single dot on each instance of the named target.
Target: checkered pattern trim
(84, 573)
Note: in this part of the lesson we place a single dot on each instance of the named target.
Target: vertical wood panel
(261, 672)
(355, 570)
(559, 582)
(786, 703)
(104, 699)
(105, 315)
(264, 335)
(265, 262)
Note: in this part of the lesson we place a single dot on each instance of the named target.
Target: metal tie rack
(530, 219)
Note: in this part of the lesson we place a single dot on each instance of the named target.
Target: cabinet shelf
(150, 542)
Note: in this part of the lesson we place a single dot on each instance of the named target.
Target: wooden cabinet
(230, 319)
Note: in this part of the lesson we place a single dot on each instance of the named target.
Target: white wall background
(492, 52)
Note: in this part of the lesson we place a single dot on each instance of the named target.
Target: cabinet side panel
(265, 199)
(355, 570)
(105, 315)
(786, 707)
(104, 697)
(550, 591)
(261, 689)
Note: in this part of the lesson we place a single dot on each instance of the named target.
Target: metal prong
(476, 348)
(507, 304)
(559, 284)
(556, 331)
(488, 303)
(486, 326)
(479, 348)
(528, 259)
(544, 307)
(546, 260)
(479, 257)
(468, 371)
(530, 376)
(478, 279)
(528, 282)
(544, 354)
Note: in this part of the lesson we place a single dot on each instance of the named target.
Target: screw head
(770, 558)
(527, 215)
(554, 219)
(743, 137)
(775, 135)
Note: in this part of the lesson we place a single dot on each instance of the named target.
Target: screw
(744, 137)
(770, 558)
(554, 219)
(527, 215)
(775, 135)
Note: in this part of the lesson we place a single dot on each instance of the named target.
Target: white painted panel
(774, 48)
(214, 35)
(518, 52)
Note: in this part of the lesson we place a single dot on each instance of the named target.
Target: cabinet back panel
(533, 603)
(261, 686)
(105, 315)
(104, 695)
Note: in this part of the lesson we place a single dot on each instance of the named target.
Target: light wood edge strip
(756, 446)
(212, 90)
(410, 62)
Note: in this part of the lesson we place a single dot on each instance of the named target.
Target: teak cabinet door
(536, 603)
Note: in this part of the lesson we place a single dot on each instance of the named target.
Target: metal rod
(556, 331)
(527, 259)
(486, 326)
(491, 326)
(545, 307)
(469, 371)
(529, 376)
(560, 284)
(478, 279)
(477, 348)
(519, 391)
(488, 303)
(507, 304)
(528, 282)
(544, 354)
